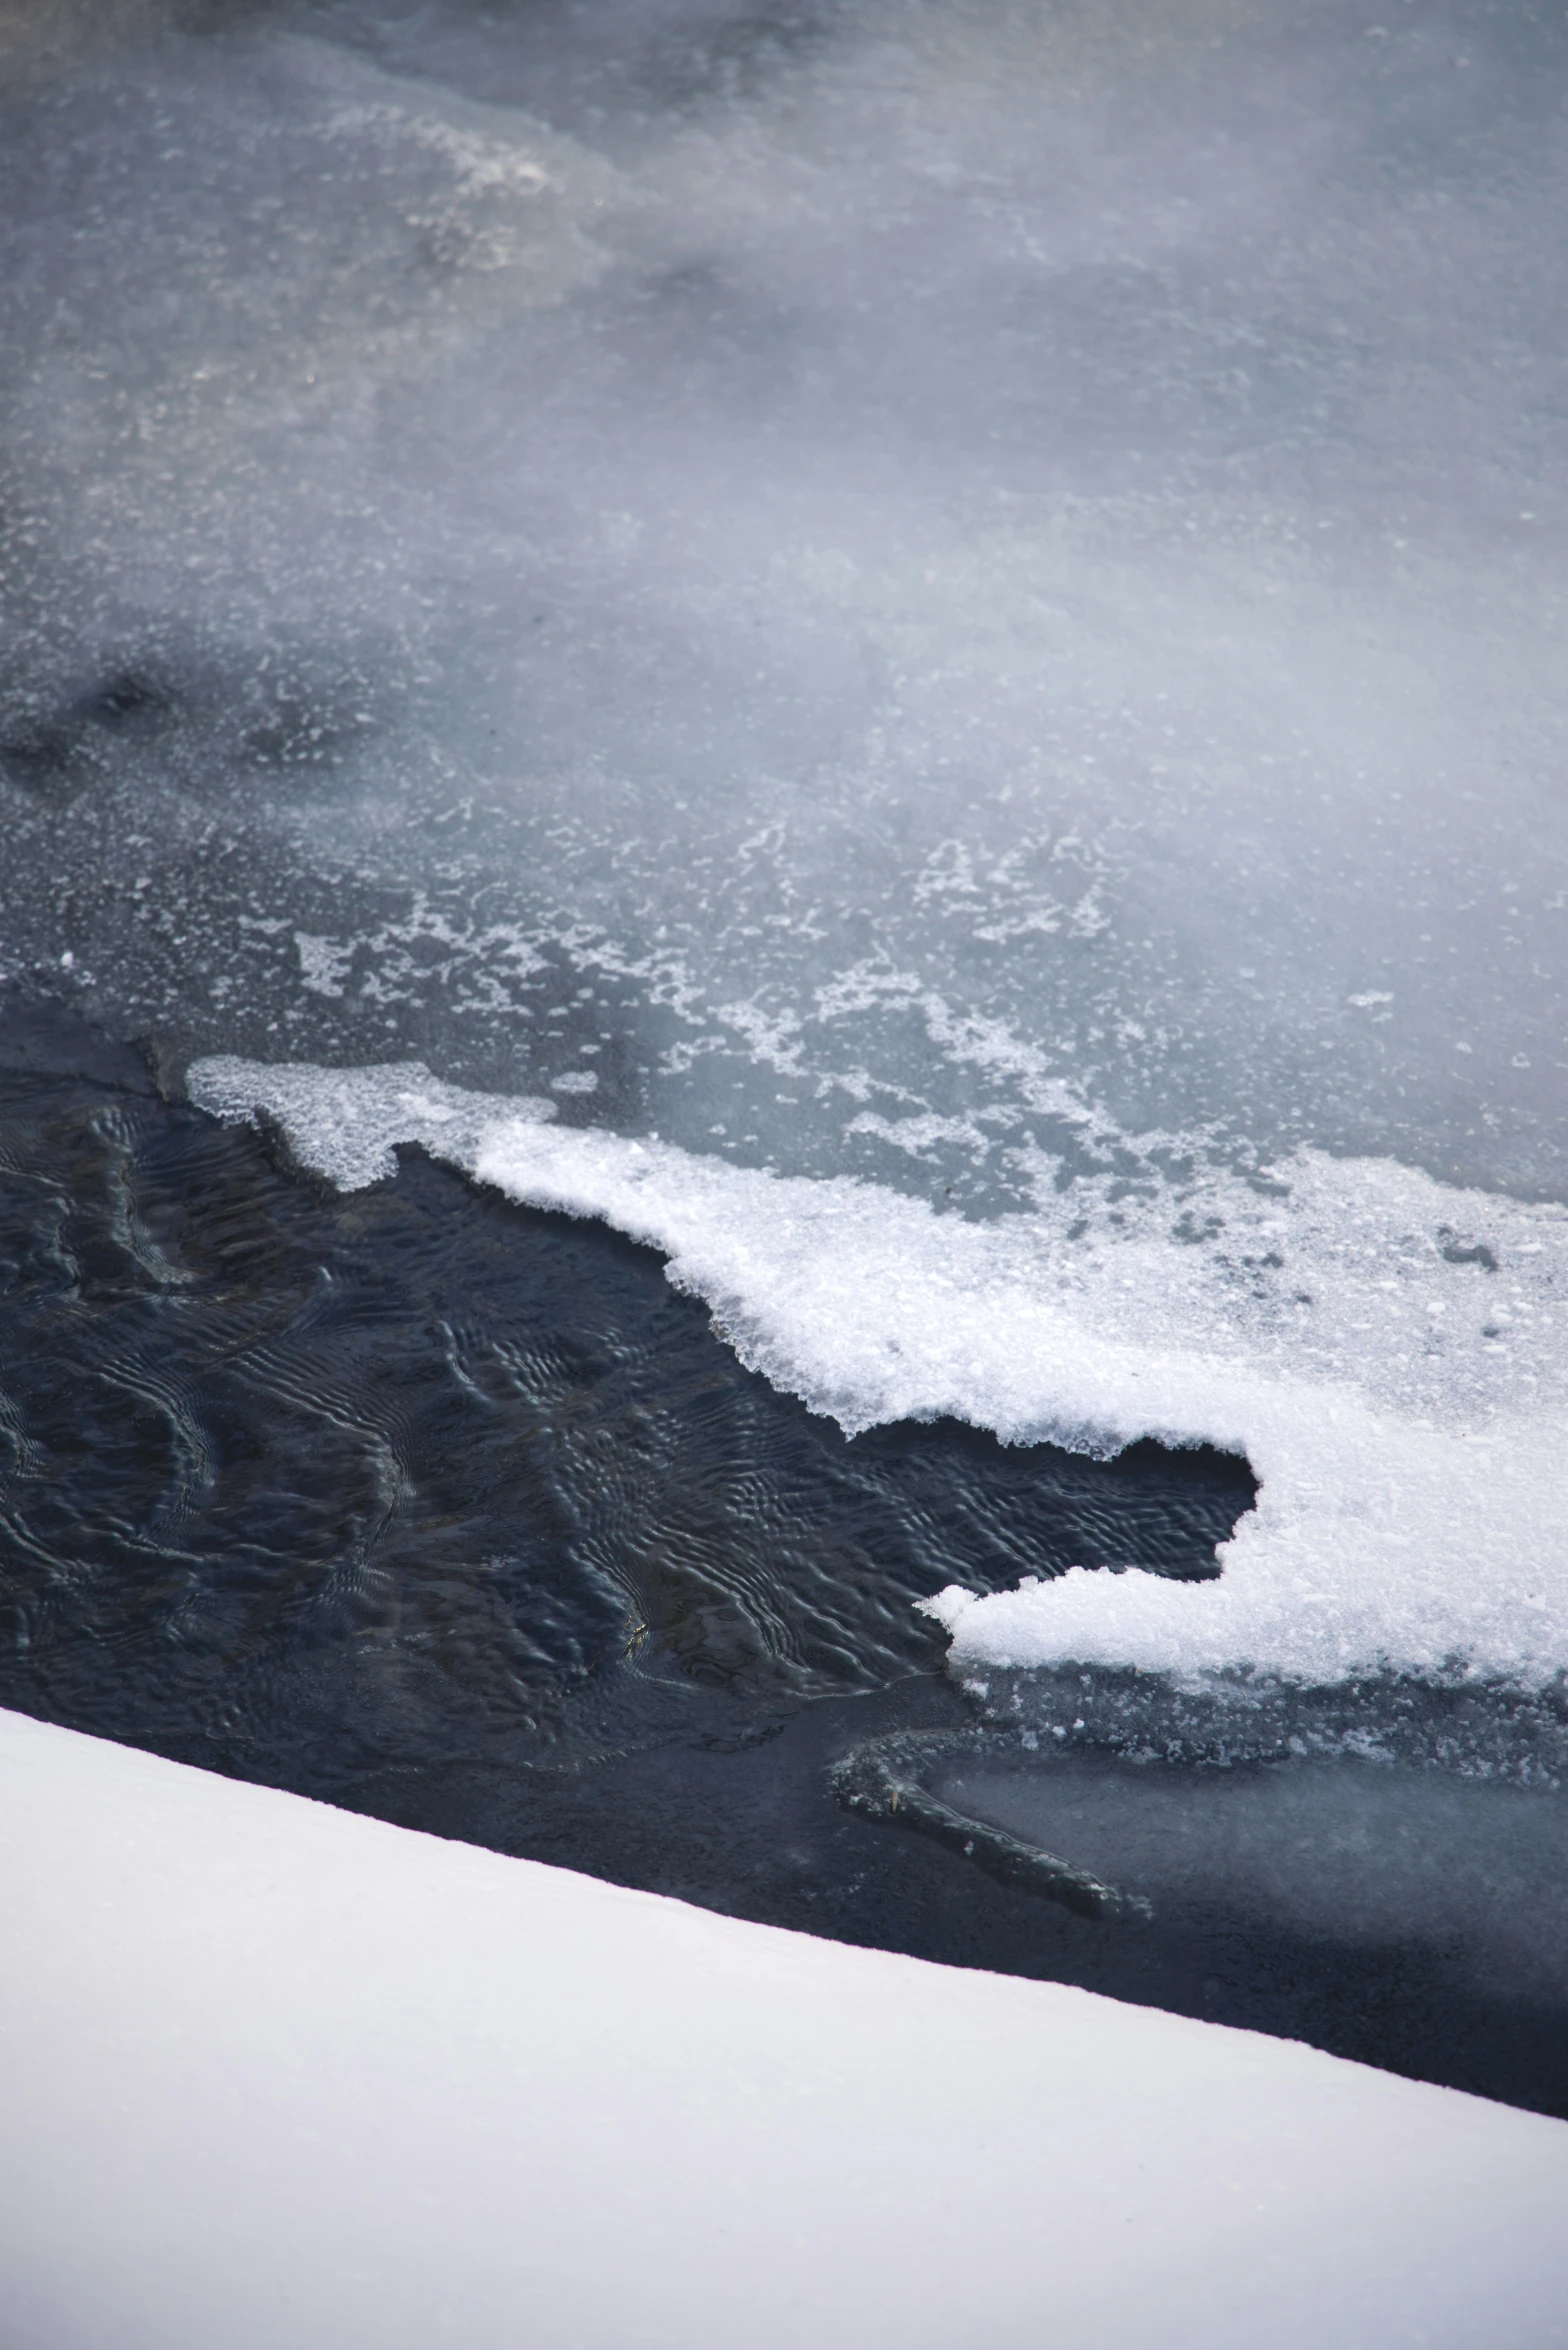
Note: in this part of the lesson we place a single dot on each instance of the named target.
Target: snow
(277, 2074)
(1388, 1352)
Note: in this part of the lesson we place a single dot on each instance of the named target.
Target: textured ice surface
(822, 572)
(1387, 1352)
(277, 2074)
(933, 593)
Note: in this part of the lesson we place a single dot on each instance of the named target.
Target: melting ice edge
(1387, 1353)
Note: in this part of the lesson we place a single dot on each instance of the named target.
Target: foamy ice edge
(1413, 1505)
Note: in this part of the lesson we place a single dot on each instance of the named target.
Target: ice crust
(1387, 1352)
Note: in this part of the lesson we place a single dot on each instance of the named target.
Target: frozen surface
(944, 593)
(929, 593)
(803, 577)
(1388, 1353)
(274, 2073)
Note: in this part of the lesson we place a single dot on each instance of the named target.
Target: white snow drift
(279, 2075)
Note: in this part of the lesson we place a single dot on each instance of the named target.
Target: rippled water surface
(456, 1513)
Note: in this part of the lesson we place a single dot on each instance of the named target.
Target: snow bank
(1388, 1353)
(276, 2074)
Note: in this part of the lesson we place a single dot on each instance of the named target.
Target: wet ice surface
(833, 584)
(458, 1514)
(1360, 1856)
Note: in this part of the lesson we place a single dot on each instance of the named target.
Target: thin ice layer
(1387, 1352)
(727, 555)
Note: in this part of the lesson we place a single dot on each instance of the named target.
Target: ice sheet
(910, 550)
(1387, 1352)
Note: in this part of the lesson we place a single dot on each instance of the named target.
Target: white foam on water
(1386, 1351)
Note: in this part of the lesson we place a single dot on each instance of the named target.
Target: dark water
(456, 1514)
